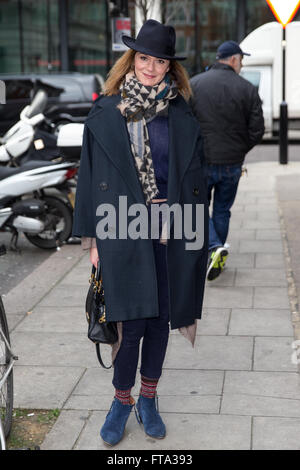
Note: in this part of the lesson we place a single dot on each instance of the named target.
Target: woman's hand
(94, 256)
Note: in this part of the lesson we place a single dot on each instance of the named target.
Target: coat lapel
(183, 134)
(111, 133)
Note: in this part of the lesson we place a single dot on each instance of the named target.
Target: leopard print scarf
(140, 104)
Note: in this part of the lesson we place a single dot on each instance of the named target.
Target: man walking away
(229, 110)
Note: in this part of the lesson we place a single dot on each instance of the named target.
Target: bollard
(283, 134)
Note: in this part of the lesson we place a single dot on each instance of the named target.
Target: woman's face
(150, 70)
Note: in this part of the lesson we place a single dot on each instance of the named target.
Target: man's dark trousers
(223, 181)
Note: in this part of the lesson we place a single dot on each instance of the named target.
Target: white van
(264, 69)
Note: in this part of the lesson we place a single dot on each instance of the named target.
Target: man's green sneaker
(216, 262)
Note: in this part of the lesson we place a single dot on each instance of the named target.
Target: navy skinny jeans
(154, 331)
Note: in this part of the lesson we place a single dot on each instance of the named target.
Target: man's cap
(229, 48)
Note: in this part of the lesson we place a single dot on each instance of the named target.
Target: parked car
(71, 104)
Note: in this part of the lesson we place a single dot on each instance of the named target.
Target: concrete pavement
(237, 389)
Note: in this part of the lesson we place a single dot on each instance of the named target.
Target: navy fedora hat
(229, 48)
(155, 39)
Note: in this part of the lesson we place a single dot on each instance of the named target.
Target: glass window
(252, 77)
(18, 89)
(214, 21)
(217, 20)
(40, 35)
(87, 36)
(258, 13)
(28, 36)
(10, 47)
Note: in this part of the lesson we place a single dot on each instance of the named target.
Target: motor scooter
(26, 206)
(33, 137)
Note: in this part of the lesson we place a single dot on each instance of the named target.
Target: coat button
(196, 191)
(103, 186)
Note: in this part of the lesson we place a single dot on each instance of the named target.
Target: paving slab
(78, 277)
(209, 404)
(210, 352)
(73, 422)
(227, 297)
(274, 353)
(260, 224)
(245, 198)
(85, 262)
(44, 387)
(199, 392)
(251, 405)
(65, 297)
(32, 289)
(265, 384)
(236, 223)
(97, 381)
(276, 433)
(268, 215)
(199, 431)
(264, 206)
(260, 246)
(260, 322)
(244, 215)
(237, 208)
(54, 320)
(260, 277)
(226, 280)
(270, 260)
(241, 235)
(240, 260)
(214, 321)
(268, 235)
(270, 297)
(63, 349)
(14, 319)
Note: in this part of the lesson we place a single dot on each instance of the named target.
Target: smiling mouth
(149, 76)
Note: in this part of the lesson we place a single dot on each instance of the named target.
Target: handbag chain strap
(96, 280)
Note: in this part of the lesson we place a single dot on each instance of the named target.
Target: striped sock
(123, 396)
(148, 387)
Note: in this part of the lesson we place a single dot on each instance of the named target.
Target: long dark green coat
(107, 170)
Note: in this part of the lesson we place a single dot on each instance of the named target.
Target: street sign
(284, 10)
(119, 27)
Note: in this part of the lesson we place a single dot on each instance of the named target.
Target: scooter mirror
(38, 104)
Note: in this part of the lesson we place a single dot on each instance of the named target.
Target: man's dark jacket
(229, 110)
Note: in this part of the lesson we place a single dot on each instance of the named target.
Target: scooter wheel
(58, 220)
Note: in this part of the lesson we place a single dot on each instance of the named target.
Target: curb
(291, 281)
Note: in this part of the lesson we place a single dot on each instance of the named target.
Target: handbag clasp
(102, 318)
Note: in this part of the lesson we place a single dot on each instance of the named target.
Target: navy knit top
(159, 143)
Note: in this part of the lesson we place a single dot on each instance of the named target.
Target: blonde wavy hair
(126, 63)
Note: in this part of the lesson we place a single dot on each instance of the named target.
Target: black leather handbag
(99, 330)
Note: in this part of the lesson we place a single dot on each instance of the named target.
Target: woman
(142, 144)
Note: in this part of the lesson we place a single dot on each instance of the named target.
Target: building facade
(75, 35)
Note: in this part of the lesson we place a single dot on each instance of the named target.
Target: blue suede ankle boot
(147, 409)
(113, 429)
